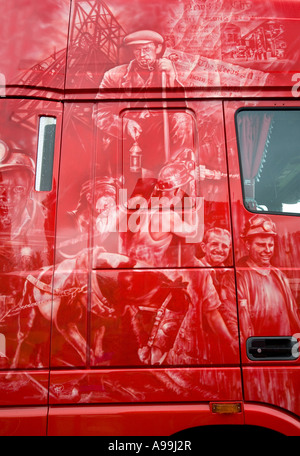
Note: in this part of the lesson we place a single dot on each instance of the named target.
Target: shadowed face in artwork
(101, 202)
(14, 192)
(104, 205)
(146, 54)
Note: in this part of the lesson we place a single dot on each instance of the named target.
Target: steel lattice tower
(94, 43)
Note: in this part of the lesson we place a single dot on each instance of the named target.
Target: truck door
(29, 156)
(143, 242)
(263, 150)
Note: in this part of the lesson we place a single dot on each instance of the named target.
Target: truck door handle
(272, 348)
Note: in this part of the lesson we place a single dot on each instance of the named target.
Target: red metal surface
(34, 47)
(158, 420)
(120, 284)
(24, 388)
(223, 46)
(259, 379)
(267, 384)
(157, 385)
(123, 324)
(271, 418)
(26, 235)
(23, 421)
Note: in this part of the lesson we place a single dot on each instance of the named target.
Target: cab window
(269, 152)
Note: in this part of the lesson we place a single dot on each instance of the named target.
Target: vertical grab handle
(165, 117)
(45, 154)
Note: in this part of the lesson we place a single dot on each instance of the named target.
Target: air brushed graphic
(121, 279)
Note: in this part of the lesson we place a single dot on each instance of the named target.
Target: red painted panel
(142, 420)
(24, 388)
(278, 386)
(165, 317)
(143, 270)
(27, 223)
(204, 44)
(213, 44)
(113, 316)
(271, 418)
(73, 238)
(268, 271)
(34, 40)
(255, 275)
(145, 385)
(160, 191)
(23, 422)
(76, 177)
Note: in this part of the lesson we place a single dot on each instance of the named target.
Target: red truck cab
(149, 231)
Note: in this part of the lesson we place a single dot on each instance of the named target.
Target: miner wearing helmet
(16, 181)
(172, 216)
(144, 128)
(100, 193)
(154, 242)
(98, 199)
(267, 305)
(22, 224)
(259, 234)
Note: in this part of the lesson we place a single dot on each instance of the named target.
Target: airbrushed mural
(138, 272)
(217, 44)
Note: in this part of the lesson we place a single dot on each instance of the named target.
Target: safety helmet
(259, 224)
(175, 175)
(108, 185)
(14, 159)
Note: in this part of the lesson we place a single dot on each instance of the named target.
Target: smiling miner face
(216, 247)
(261, 249)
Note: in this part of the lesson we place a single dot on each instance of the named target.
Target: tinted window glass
(269, 147)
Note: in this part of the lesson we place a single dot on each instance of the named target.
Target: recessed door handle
(272, 348)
